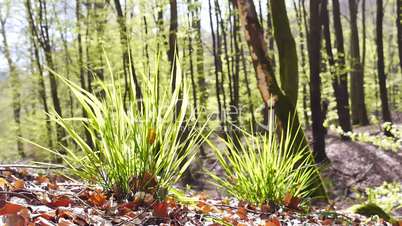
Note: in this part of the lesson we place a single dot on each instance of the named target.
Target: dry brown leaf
(273, 222)
(242, 213)
(97, 198)
(8, 208)
(160, 209)
(60, 201)
(291, 202)
(19, 184)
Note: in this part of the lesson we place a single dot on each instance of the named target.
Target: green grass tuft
(264, 168)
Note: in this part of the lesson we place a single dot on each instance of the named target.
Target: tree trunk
(341, 95)
(399, 28)
(172, 51)
(289, 75)
(218, 66)
(15, 87)
(315, 82)
(128, 64)
(359, 112)
(266, 82)
(40, 79)
(345, 121)
(386, 114)
(201, 79)
(43, 38)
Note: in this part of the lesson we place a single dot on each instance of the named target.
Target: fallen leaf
(327, 222)
(291, 202)
(60, 201)
(97, 198)
(273, 222)
(8, 208)
(242, 213)
(4, 183)
(160, 209)
(19, 184)
(41, 179)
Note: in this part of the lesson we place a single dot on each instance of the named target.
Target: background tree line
(332, 61)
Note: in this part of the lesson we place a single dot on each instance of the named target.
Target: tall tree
(359, 111)
(14, 83)
(399, 28)
(288, 66)
(341, 93)
(40, 78)
(386, 114)
(42, 35)
(266, 81)
(315, 81)
(128, 63)
(218, 67)
(173, 45)
(199, 51)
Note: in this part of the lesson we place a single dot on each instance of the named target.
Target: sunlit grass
(137, 145)
(263, 168)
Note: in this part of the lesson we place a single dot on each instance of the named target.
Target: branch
(24, 166)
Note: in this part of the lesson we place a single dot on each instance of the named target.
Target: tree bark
(341, 94)
(399, 28)
(42, 35)
(128, 63)
(40, 79)
(359, 112)
(386, 114)
(288, 66)
(315, 82)
(218, 66)
(266, 82)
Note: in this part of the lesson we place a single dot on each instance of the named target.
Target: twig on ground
(24, 166)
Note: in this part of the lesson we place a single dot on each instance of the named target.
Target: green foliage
(371, 209)
(388, 196)
(134, 142)
(263, 168)
(381, 141)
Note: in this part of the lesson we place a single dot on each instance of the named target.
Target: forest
(200, 112)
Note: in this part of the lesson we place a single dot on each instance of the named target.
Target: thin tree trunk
(217, 66)
(173, 45)
(359, 112)
(201, 79)
(128, 64)
(40, 79)
(302, 42)
(15, 86)
(386, 114)
(399, 28)
(340, 95)
(315, 82)
(288, 67)
(43, 38)
(266, 82)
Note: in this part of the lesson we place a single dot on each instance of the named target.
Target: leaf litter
(29, 199)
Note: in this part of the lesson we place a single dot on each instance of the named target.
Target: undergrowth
(265, 168)
(141, 145)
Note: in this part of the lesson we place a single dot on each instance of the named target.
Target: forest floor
(31, 196)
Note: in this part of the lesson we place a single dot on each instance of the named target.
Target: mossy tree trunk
(289, 75)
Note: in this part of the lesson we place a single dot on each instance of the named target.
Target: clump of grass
(137, 145)
(265, 168)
